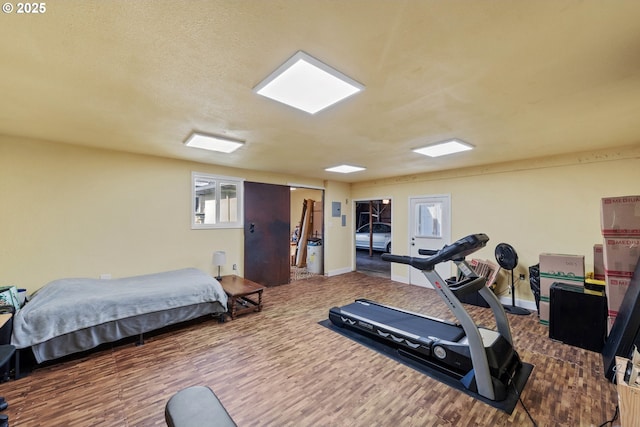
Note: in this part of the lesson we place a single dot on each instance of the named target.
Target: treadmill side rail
(476, 345)
(411, 342)
(413, 313)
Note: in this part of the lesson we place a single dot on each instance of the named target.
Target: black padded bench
(196, 406)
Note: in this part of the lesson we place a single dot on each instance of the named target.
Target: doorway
(373, 236)
(271, 214)
(429, 228)
(306, 248)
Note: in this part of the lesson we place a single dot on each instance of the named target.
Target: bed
(67, 316)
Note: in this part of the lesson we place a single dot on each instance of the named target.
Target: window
(429, 220)
(217, 201)
(381, 228)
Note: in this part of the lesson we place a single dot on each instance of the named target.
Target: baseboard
(338, 272)
(529, 305)
(401, 279)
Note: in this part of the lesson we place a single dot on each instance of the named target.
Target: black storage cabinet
(577, 318)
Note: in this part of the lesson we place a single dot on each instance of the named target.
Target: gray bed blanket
(68, 305)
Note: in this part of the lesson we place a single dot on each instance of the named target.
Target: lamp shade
(219, 258)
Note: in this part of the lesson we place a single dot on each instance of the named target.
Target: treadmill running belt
(507, 405)
(410, 323)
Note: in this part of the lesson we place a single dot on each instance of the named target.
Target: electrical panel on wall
(336, 209)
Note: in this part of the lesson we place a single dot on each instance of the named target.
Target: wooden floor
(280, 368)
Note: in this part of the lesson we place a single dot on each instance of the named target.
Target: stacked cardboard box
(620, 216)
(620, 226)
(621, 255)
(598, 262)
(558, 268)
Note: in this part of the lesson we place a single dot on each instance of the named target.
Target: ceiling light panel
(307, 84)
(444, 148)
(345, 169)
(213, 143)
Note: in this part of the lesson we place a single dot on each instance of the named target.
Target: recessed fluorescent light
(444, 148)
(213, 142)
(345, 169)
(307, 84)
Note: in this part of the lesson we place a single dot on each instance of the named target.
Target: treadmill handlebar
(400, 259)
(458, 250)
(427, 251)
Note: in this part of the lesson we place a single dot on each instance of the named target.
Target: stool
(196, 406)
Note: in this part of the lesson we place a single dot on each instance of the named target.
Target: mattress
(76, 314)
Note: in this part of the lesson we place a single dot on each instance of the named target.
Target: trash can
(314, 257)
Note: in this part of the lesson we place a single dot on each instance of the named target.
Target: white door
(429, 228)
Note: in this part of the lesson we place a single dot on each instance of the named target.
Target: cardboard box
(598, 262)
(616, 289)
(545, 287)
(621, 255)
(560, 268)
(628, 396)
(620, 216)
(544, 312)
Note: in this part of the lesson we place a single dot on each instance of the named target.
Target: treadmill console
(458, 250)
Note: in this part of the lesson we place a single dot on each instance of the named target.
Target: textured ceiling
(517, 79)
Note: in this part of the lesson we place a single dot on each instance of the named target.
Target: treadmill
(482, 359)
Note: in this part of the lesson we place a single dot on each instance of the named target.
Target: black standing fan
(508, 259)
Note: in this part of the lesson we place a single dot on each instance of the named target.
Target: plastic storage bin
(314, 258)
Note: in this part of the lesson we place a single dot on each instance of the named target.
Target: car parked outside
(381, 237)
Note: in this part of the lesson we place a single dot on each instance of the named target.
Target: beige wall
(74, 211)
(68, 211)
(545, 205)
(338, 239)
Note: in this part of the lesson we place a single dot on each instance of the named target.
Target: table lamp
(219, 259)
